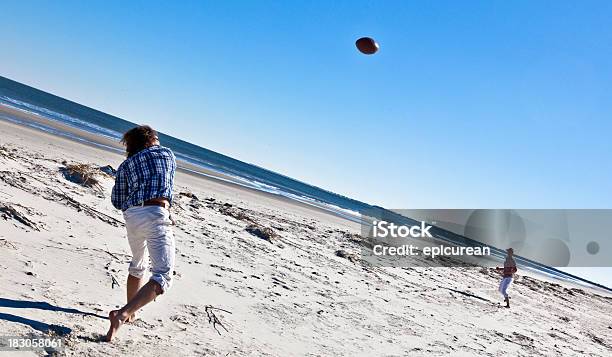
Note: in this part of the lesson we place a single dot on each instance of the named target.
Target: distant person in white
(508, 272)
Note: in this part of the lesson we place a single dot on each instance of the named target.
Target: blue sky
(467, 105)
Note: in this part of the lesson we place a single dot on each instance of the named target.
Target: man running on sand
(508, 272)
(143, 191)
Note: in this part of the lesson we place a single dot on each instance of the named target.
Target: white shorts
(149, 228)
(504, 285)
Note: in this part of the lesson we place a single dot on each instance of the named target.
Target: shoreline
(112, 146)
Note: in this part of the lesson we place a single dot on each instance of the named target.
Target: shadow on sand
(465, 293)
(37, 325)
(41, 305)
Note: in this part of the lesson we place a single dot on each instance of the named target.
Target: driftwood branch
(6, 243)
(114, 281)
(213, 319)
(10, 211)
(111, 254)
(89, 210)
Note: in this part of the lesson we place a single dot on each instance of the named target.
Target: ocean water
(31, 100)
(51, 107)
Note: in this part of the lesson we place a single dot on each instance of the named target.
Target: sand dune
(255, 275)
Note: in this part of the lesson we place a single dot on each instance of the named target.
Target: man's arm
(120, 190)
(172, 168)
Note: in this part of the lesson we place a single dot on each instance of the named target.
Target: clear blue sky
(467, 105)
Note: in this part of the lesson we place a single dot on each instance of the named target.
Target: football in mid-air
(367, 45)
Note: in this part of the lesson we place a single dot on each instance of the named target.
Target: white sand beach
(64, 258)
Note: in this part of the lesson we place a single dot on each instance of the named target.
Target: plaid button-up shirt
(146, 175)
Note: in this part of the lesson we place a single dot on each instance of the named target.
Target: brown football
(367, 45)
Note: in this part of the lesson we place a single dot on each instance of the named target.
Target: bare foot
(131, 318)
(116, 321)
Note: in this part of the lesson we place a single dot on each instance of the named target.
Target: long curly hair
(139, 138)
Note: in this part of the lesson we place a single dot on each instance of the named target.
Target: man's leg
(135, 222)
(144, 296)
(133, 286)
(504, 290)
(160, 244)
